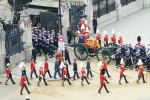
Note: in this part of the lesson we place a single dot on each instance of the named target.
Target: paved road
(132, 26)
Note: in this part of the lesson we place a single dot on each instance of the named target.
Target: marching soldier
(68, 74)
(24, 74)
(56, 68)
(102, 77)
(65, 76)
(41, 76)
(105, 67)
(58, 55)
(122, 72)
(98, 37)
(88, 67)
(9, 75)
(141, 73)
(23, 84)
(75, 69)
(105, 38)
(83, 76)
(33, 68)
(113, 38)
(46, 69)
(120, 41)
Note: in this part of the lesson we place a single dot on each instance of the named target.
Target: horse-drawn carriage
(84, 47)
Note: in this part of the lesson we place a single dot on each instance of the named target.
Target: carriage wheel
(81, 51)
(103, 52)
(112, 47)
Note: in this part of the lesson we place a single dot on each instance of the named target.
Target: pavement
(130, 27)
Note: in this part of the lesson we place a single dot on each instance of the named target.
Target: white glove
(41, 76)
(65, 76)
(105, 82)
(144, 72)
(84, 74)
(123, 73)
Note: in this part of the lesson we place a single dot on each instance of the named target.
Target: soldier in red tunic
(83, 76)
(120, 41)
(33, 68)
(105, 67)
(98, 37)
(65, 76)
(102, 77)
(23, 84)
(58, 55)
(41, 76)
(46, 69)
(141, 73)
(9, 75)
(122, 72)
(113, 38)
(105, 38)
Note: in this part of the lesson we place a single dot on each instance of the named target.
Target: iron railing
(102, 7)
(13, 39)
(126, 2)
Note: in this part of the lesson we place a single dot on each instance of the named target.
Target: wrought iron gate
(75, 13)
(102, 7)
(13, 39)
(126, 2)
(50, 21)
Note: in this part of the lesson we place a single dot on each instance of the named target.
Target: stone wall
(120, 13)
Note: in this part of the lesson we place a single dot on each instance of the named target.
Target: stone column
(89, 13)
(146, 3)
(119, 10)
(65, 19)
(27, 35)
(2, 50)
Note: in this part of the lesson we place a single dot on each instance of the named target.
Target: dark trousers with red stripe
(48, 73)
(22, 89)
(104, 87)
(34, 73)
(75, 74)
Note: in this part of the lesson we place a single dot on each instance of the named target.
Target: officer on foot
(24, 74)
(83, 76)
(88, 67)
(65, 76)
(9, 75)
(75, 69)
(41, 76)
(67, 55)
(56, 68)
(122, 72)
(141, 73)
(102, 77)
(105, 67)
(23, 84)
(68, 74)
(33, 68)
(46, 69)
